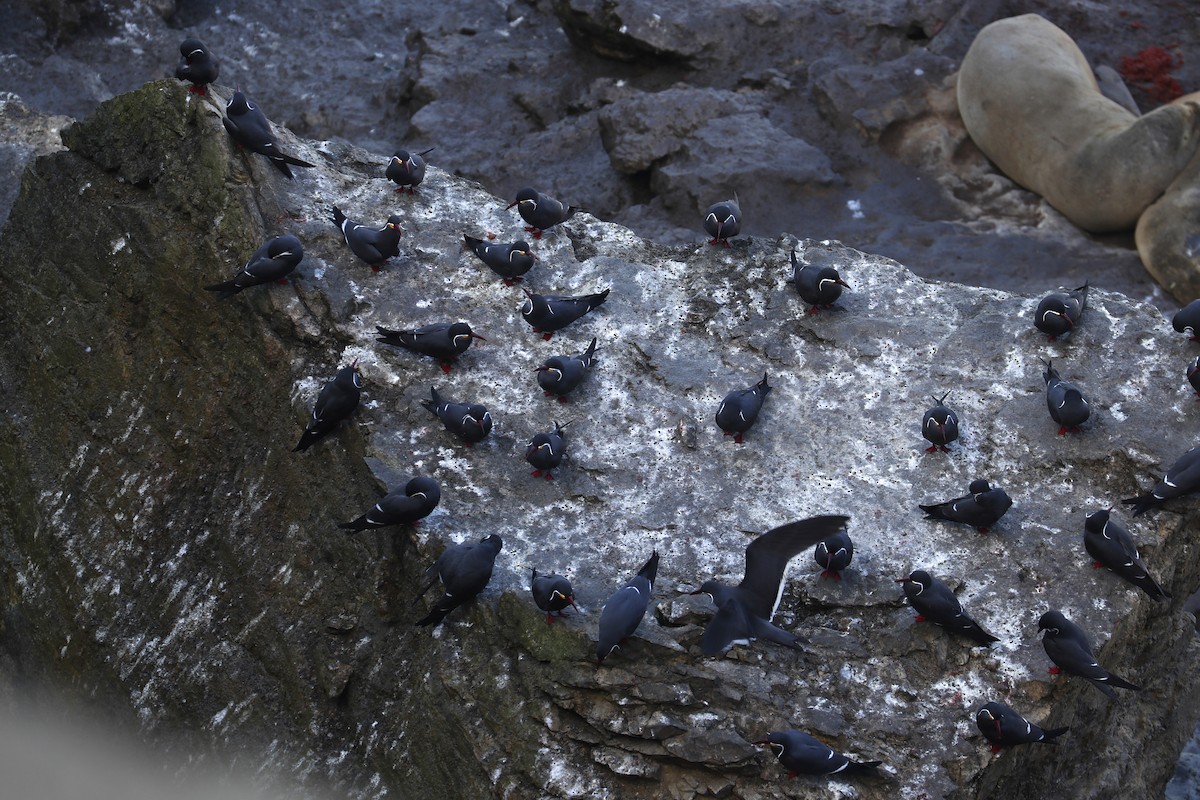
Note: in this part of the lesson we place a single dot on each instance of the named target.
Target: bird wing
(767, 558)
(731, 624)
(1183, 476)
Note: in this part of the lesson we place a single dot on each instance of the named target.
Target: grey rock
(25, 134)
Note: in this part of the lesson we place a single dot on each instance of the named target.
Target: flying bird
(623, 612)
(1068, 647)
(336, 401)
(406, 506)
(934, 601)
(249, 128)
(274, 261)
(464, 570)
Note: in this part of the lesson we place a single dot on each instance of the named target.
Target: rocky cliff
(165, 553)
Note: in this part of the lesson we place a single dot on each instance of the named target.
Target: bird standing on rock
(1187, 319)
(723, 220)
(464, 571)
(470, 422)
(1109, 543)
(1182, 478)
(1058, 312)
(802, 754)
(274, 261)
(337, 400)
(373, 246)
(249, 128)
(982, 508)
(540, 211)
(834, 554)
(623, 612)
(559, 375)
(545, 452)
(939, 426)
(744, 611)
(509, 261)
(1068, 647)
(549, 313)
(739, 410)
(1193, 376)
(1004, 727)
(197, 66)
(552, 594)
(1068, 407)
(935, 602)
(817, 286)
(416, 501)
(407, 170)
(444, 341)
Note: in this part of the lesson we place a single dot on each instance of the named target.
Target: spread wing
(767, 558)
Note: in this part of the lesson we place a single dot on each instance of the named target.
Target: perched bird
(834, 554)
(373, 246)
(197, 66)
(739, 410)
(982, 508)
(939, 426)
(407, 170)
(470, 422)
(552, 594)
(1187, 319)
(559, 375)
(1193, 376)
(274, 261)
(545, 451)
(552, 312)
(744, 611)
(935, 602)
(444, 341)
(802, 754)
(1182, 478)
(337, 400)
(1068, 407)
(249, 128)
(817, 286)
(1111, 547)
(723, 220)
(1058, 312)
(1068, 647)
(510, 261)
(624, 610)
(1004, 727)
(464, 570)
(416, 501)
(540, 211)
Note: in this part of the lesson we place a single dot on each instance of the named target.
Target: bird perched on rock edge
(406, 506)
(249, 128)
(197, 66)
(274, 261)
(1109, 543)
(1068, 647)
(1182, 478)
(336, 401)
(552, 594)
(802, 754)
(1004, 727)
(464, 570)
(935, 601)
(623, 612)
(540, 211)
(723, 221)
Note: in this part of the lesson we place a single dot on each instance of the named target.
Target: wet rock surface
(164, 550)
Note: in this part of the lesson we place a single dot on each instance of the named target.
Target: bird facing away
(559, 375)
(249, 128)
(1182, 478)
(723, 220)
(939, 426)
(540, 211)
(416, 501)
(510, 261)
(1004, 727)
(802, 754)
(373, 246)
(1187, 319)
(470, 422)
(197, 66)
(545, 452)
(443, 341)
(934, 601)
(739, 410)
(744, 611)
(981, 508)
(818, 286)
(274, 261)
(1110, 545)
(552, 594)
(336, 401)
(1067, 405)
(623, 612)
(407, 170)
(1058, 312)
(834, 554)
(551, 312)
(1068, 647)
(464, 571)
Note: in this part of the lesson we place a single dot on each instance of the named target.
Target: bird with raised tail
(1181, 479)
(407, 506)
(559, 375)
(1058, 312)
(540, 211)
(1004, 727)
(939, 426)
(935, 602)
(981, 508)
(510, 261)
(336, 401)
(197, 66)
(723, 221)
(1068, 647)
(249, 128)
(545, 452)
(552, 594)
(802, 754)
(374, 246)
(818, 286)
(623, 612)
(443, 341)
(553, 312)
(1066, 403)
(1112, 548)
(274, 261)
(464, 570)
(470, 422)
(834, 554)
(739, 409)
(407, 170)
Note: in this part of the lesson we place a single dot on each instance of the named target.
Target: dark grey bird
(939, 426)
(801, 754)
(371, 245)
(1068, 407)
(819, 287)
(470, 422)
(1004, 727)
(1110, 545)
(464, 570)
(981, 508)
(549, 313)
(545, 452)
(540, 211)
(739, 410)
(406, 506)
(552, 594)
(1059, 312)
(1068, 647)
(723, 221)
(336, 401)
(623, 612)
(834, 554)
(559, 375)
(249, 128)
(444, 341)
(510, 261)
(274, 261)
(197, 66)
(744, 611)
(1187, 319)
(934, 601)
(407, 170)
(1182, 478)
(1193, 376)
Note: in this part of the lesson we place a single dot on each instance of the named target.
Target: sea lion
(1030, 102)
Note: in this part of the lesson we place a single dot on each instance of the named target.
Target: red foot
(281, 281)
(546, 336)
(537, 473)
(1055, 670)
(812, 310)
(549, 618)
(996, 748)
(469, 445)
(535, 232)
(562, 398)
(1051, 338)
(198, 89)
(510, 281)
(376, 267)
(399, 189)
(445, 368)
(547, 394)
(491, 237)
(931, 449)
(831, 573)
(1097, 565)
(1062, 430)
(983, 530)
(920, 617)
(792, 774)
(737, 439)
(719, 241)
(549, 476)
(411, 191)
